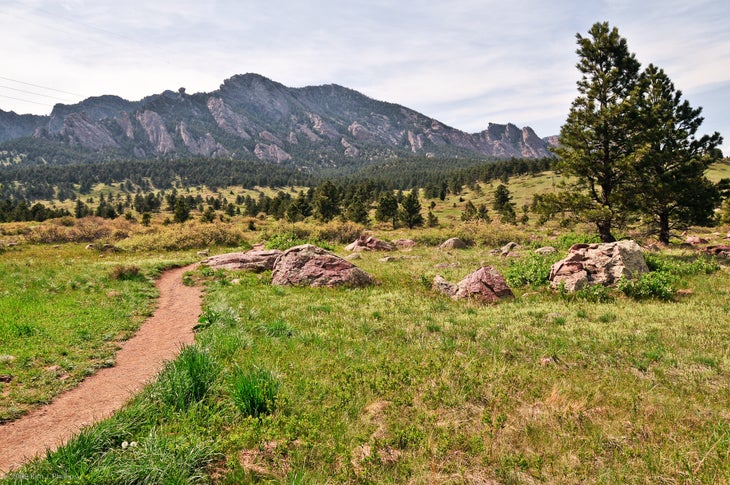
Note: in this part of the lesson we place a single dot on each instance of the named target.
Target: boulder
(507, 248)
(722, 250)
(369, 243)
(256, 260)
(694, 240)
(309, 265)
(453, 243)
(598, 264)
(546, 250)
(405, 243)
(484, 285)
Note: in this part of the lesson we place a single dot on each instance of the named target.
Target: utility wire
(36, 94)
(25, 100)
(41, 87)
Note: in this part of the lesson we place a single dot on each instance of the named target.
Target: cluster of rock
(484, 285)
(598, 264)
(305, 265)
(309, 265)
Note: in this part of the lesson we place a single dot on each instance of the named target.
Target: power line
(25, 100)
(41, 87)
(36, 94)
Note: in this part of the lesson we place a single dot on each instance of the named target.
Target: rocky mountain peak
(253, 116)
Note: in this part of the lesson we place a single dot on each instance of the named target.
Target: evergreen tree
(596, 140)
(182, 211)
(327, 201)
(410, 213)
(670, 163)
(469, 212)
(387, 209)
(357, 211)
(483, 214)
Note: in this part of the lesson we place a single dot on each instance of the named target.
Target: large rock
(256, 260)
(598, 264)
(484, 285)
(453, 243)
(369, 243)
(309, 265)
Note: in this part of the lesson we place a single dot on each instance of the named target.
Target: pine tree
(410, 213)
(670, 162)
(387, 209)
(596, 140)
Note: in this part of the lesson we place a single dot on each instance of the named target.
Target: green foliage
(286, 240)
(654, 285)
(600, 117)
(254, 391)
(531, 269)
(187, 379)
(680, 267)
(566, 240)
(668, 179)
(410, 211)
(590, 294)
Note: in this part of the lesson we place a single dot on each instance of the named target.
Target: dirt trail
(99, 396)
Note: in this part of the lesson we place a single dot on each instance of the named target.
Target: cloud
(466, 63)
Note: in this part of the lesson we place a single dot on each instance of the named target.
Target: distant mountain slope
(250, 117)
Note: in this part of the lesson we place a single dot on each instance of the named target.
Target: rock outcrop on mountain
(251, 116)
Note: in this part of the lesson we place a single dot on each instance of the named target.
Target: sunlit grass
(397, 384)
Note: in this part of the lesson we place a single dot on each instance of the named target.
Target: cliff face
(252, 116)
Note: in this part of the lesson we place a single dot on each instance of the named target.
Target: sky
(466, 63)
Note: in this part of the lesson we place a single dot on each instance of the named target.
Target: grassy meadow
(388, 384)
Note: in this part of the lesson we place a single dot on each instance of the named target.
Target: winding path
(99, 396)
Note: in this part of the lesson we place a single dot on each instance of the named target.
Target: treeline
(21, 211)
(59, 182)
(409, 173)
(43, 182)
(149, 187)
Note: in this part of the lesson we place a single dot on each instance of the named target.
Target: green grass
(395, 384)
(63, 312)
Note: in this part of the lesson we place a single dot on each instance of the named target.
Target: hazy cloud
(466, 63)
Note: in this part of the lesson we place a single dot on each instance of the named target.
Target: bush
(286, 240)
(254, 391)
(591, 294)
(565, 241)
(532, 269)
(127, 273)
(678, 267)
(190, 235)
(337, 232)
(654, 285)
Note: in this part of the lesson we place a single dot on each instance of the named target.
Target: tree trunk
(664, 228)
(604, 230)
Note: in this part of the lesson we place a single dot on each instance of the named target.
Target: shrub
(565, 241)
(287, 240)
(127, 273)
(190, 235)
(591, 294)
(254, 391)
(678, 267)
(338, 232)
(654, 285)
(532, 269)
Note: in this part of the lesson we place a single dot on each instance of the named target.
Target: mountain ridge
(251, 117)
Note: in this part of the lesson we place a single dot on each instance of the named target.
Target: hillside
(250, 117)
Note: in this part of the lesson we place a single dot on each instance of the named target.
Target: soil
(140, 359)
